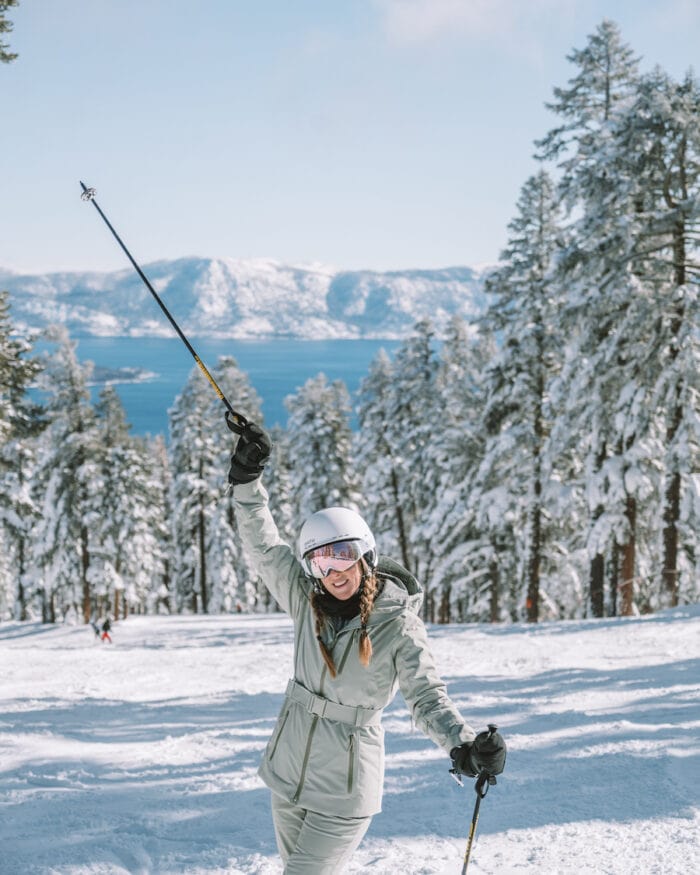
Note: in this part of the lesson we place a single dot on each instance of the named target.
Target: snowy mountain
(227, 298)
(140, 756)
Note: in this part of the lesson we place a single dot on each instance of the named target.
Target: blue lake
(275, 368)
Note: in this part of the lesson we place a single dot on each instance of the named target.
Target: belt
(328, 710)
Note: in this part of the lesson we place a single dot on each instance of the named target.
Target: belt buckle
(314, 706)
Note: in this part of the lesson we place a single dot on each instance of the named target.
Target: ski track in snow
(141, 757)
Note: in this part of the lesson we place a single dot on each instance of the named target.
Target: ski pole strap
(236, 422)
(483, 782)
(327, 710)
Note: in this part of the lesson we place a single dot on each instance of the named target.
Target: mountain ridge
(245, 299)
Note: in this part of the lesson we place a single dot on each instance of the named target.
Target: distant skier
(96, 628)
(357, 638)
(106, 626)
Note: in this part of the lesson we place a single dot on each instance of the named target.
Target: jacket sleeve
(274, 560)
(424, 691)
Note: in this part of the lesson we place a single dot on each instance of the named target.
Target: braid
(367, 596)
(320, 622)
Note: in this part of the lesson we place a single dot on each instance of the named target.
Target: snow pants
(311, 843)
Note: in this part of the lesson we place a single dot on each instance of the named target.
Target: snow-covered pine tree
(606, 78)
(589, 185)
(465, 576)
(524, 315)
(20, 423)
(233, 582)
(319, 447)
(160, 491)
(658, 147)
(67, 482)
(377, 462)
(131, 528)
(195, 453)
(412, 412)
(6, 27)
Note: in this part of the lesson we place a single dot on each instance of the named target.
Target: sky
(379, 134)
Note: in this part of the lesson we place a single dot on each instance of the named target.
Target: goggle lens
(333, 557)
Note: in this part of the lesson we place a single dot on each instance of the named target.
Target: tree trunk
(672, 497)
(533, 569)
(535, 512)
(201, 531)
(494, 591)
(445, 613)
(403, 541)
(614, 578)
(628, 561)
(670, 538)
(21, 610)
(596, 570)
(84, 565)
(597, 585)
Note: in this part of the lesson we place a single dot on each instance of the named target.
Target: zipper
(351, 762)
(279, 735)
(307, 752)
(314, 723)
(346, 652)
(302, 777)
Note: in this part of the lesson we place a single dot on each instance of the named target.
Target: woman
(357, 638)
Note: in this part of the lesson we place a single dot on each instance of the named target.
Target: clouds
(421, 21)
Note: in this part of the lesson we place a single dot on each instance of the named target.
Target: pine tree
(524, 313)
(598, 288)
(233, 581)
(607, 77)
(377, 461)
(465, 575)
(66, 486)
(319, 447)
(211, 571)
(658, 143)
(411, 413)
(20, 422)
(6, 27)
(130, 529)
(159, 486)
(193, 455)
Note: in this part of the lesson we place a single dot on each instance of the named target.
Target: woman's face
(344, 584)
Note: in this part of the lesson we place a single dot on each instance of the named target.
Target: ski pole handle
(484, 780)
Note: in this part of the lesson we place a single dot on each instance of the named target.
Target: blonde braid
(320, 623)
(367, 596)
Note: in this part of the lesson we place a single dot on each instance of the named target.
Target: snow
(141, 757)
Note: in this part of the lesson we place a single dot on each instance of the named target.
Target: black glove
(487, 753)
(252, 452)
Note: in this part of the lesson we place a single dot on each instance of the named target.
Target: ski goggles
(334, 557)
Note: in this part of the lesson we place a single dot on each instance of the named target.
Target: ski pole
(235, 421)
(481, 788)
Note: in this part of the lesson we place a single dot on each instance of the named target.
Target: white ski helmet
(335, 524)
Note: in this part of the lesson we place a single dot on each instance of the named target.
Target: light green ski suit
(326, 753)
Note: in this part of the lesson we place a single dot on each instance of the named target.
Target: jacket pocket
(351, 761)
(276, 739)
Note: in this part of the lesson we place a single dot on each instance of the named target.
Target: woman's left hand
(487, 753)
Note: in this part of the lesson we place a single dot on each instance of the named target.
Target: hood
(401, 589)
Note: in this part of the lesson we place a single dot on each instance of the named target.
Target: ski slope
(141, 756)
